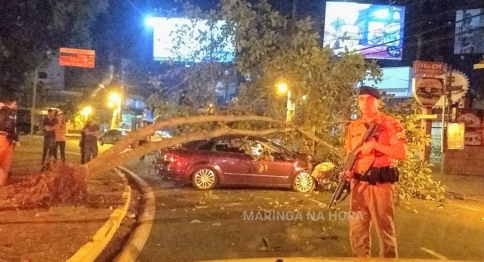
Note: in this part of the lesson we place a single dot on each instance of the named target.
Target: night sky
(121, 32)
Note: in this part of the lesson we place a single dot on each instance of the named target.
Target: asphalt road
(33, 146)
(193, 225)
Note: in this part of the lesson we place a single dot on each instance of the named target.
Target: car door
(108, 137)
(233, 162)
(276, 167)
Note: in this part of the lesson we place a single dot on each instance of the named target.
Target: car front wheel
(204, 179)
(303, 182)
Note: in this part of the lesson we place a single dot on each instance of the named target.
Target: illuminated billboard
(183, 39)
(469, 31)
(376, 31)
(395, 81)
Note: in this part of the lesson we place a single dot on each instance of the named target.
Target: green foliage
(272, 49)
(415, 174)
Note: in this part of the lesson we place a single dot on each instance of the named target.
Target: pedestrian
(60, 131)
(373, 176)
(8, 134)
(92, 132)
(81, 144)
(49, 138)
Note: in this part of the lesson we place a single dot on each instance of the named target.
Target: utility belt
(379, 175)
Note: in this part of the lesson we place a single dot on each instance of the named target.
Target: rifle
(343, 189)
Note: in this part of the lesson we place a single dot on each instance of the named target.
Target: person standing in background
(81, 144)
(60, 131)
(8, 134)
(49, 138)
(92, 132)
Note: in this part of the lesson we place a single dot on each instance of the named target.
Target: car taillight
(170, 157)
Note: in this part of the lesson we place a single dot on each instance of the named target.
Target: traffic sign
(76, 57)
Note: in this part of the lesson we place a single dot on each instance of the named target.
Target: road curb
(137, 240)
(91, 250)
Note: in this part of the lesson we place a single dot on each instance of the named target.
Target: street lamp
(115, 101)
(291, 107)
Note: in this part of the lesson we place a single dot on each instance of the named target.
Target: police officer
(373, 176)
(8, 134)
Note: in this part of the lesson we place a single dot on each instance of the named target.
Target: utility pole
(294, 12)
(124, 65)
(34, 96)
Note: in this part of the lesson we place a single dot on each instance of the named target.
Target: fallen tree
(67, 183)
(116, 155)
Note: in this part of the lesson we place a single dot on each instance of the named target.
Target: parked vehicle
(112, 136)
(238, 161)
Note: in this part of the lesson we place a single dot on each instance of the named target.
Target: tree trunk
(116, 155)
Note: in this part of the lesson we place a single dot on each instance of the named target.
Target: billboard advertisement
(396, 81)
(183, 39)
(469, 31)
(376, 31)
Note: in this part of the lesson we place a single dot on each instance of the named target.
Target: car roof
(120, 129)
(198, 143)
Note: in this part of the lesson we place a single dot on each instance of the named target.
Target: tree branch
(99, 165)
(143, 132)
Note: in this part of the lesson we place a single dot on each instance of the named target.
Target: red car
(238, 161)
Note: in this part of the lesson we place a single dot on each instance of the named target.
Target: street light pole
(291, 107)
(32, 110)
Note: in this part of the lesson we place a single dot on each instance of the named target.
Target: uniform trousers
(374, 206)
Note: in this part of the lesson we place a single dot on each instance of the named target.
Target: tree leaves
(415, 175)
(30, 28)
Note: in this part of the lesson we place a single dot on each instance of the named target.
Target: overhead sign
(428, 68)
(428, 88)
(76, 57)
(469, 28)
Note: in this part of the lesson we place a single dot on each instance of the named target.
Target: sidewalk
(461, 186)
(57, 233)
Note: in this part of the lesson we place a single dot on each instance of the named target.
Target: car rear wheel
(303, 182)
(204, 179)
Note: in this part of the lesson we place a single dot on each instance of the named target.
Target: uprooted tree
(67, 183)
